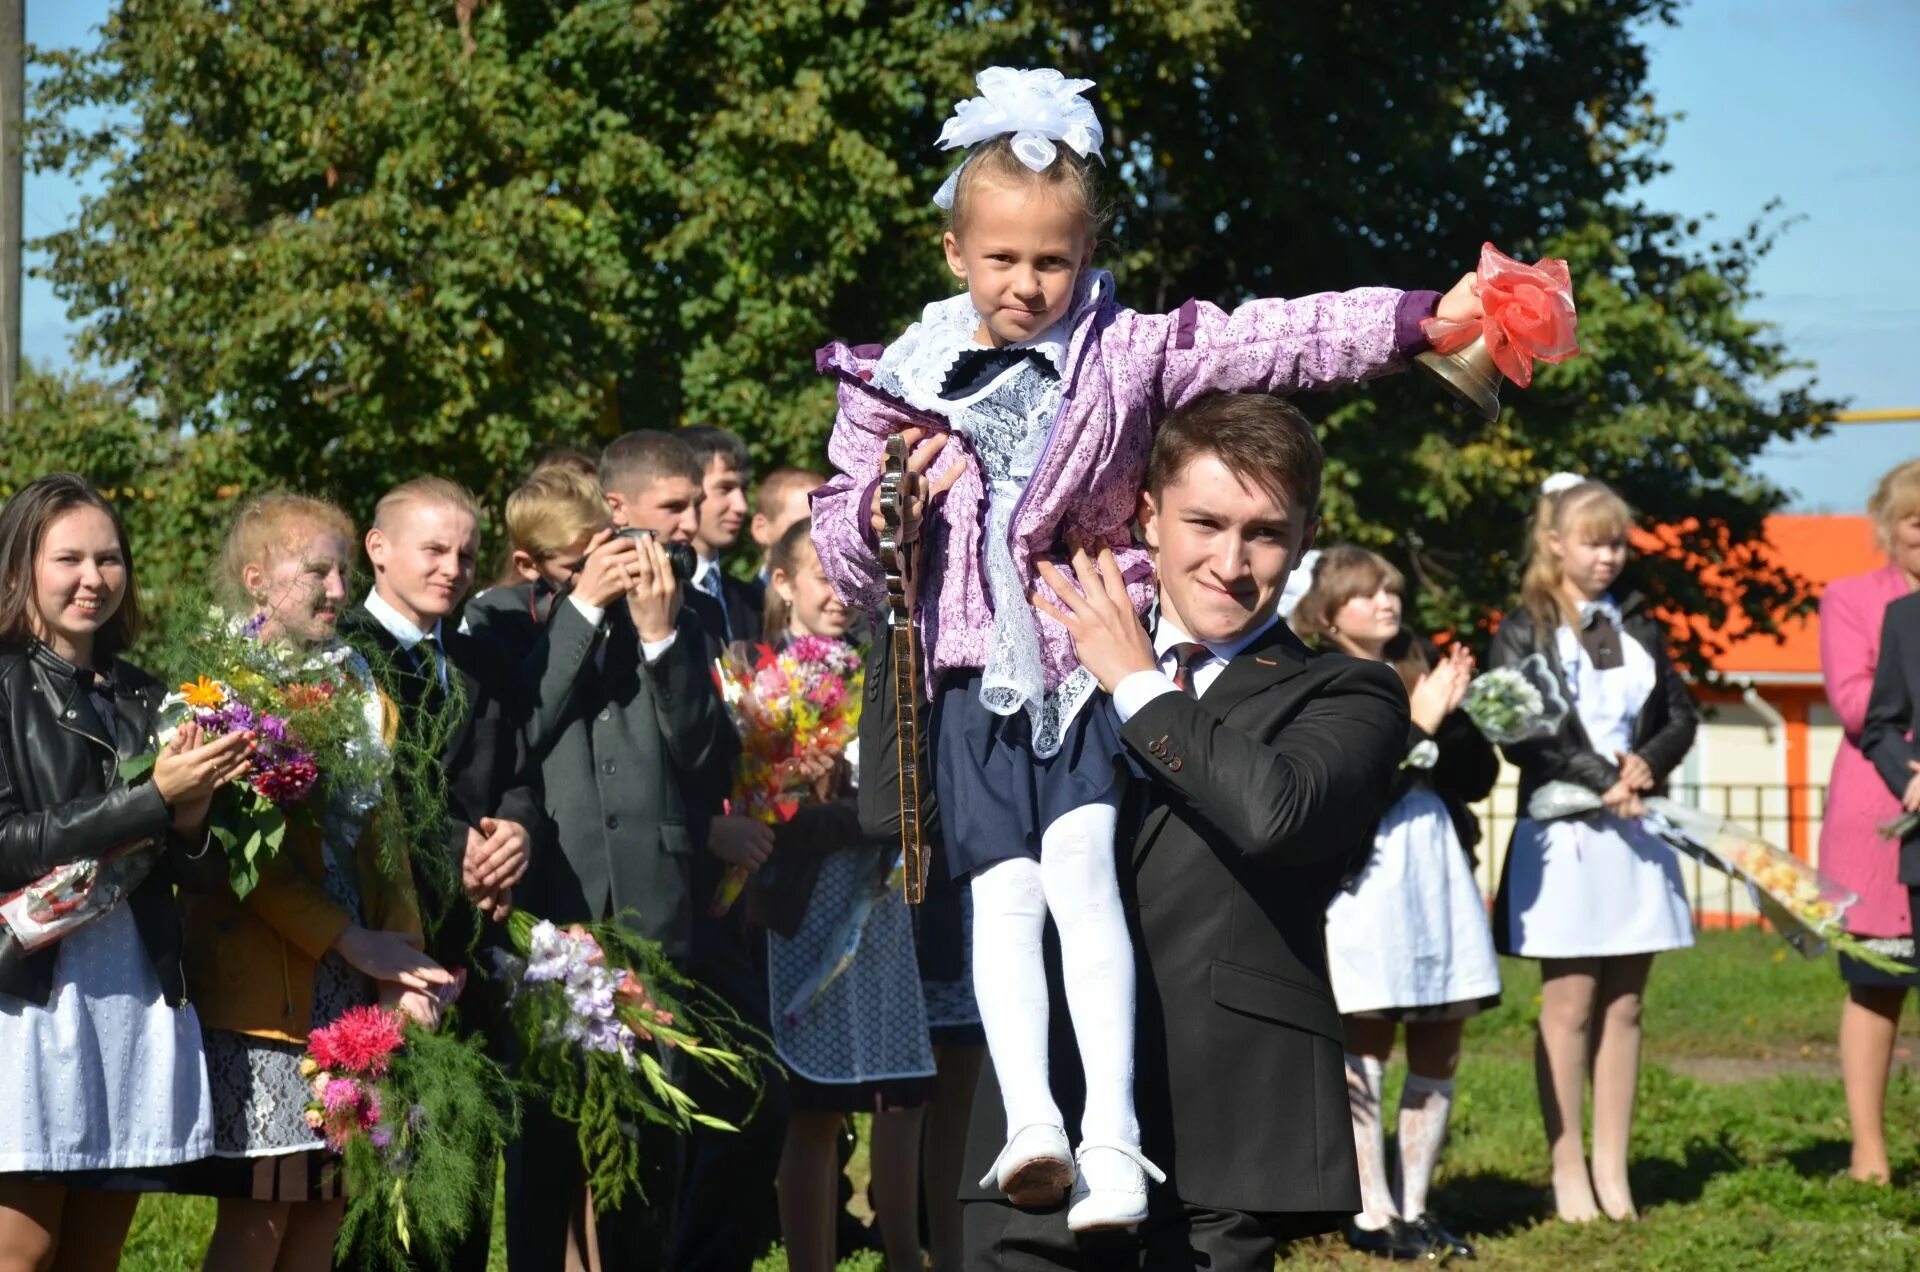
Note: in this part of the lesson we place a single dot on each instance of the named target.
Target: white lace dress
(106, 1076)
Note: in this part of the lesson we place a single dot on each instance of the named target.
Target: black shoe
(1440, 1239)
(1396, 1241)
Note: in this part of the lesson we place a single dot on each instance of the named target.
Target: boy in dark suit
(725, 468)
(422, 547)
(1263, 768)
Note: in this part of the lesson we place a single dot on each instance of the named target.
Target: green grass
(1728, 1174)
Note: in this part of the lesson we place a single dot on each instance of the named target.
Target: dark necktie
(1600, 638)
(1189, 656)
(976, 368)
(427, 656)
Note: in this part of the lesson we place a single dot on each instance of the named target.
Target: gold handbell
(1468, 374)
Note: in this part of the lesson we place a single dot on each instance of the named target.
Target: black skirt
(996, 796)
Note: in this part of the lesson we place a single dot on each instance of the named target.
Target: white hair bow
(1039, 108)
(1561, 481)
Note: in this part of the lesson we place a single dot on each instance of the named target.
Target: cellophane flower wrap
(1514, 704)
(1804, 905)
(409, 1111)
(315, 717)
(791, 707)
(591, 1007)
(1528, 315)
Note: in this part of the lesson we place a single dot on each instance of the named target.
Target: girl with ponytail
(1593, 898)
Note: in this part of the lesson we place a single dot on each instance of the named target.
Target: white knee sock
(1010, 981)
(1425, 1106)
(1082, 884)
(1364, 1080)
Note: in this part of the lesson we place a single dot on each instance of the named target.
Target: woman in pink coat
(1851, 848)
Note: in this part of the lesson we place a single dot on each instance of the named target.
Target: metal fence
(1785, 814)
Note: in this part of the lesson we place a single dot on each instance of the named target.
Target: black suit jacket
(484, 758)
(746, 607)
(1258, 797)
(633, 758)
(1893, 713)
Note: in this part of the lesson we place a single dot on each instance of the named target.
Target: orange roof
(1820, 550)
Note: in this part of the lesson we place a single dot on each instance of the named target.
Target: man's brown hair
(1265, 441)
(645, 456)
(774, 486)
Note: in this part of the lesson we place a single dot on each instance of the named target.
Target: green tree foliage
(354, 240)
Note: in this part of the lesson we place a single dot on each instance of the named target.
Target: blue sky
(1816, 105)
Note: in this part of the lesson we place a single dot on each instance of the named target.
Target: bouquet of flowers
(69, 897)
(591, 1007)
(1513, 704)
(791, 708)
(1802, 904)
(1900, 827)
(410, 1111)
(313, 716)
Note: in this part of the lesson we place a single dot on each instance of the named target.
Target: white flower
(1039, 108)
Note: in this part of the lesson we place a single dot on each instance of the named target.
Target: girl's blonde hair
(553, 510)
(1896, 498)
(268, 527)
(1589, 508)
(786, 556)
(994, 163)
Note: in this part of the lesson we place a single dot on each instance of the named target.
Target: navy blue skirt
(996, 797)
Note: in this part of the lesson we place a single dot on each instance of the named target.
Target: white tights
(1076, 880)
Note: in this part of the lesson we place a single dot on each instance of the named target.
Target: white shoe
(1110, 1187)
(1035, 1168)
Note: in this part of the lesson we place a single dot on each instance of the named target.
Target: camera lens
(680, 556)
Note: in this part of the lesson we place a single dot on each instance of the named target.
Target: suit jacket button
(606, 713)
(1156, 748)
(613, 823)
(606, 767)
(1173, 764)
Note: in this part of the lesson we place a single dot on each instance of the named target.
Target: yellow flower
(203, 693)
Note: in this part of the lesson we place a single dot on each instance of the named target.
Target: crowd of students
(584, 772)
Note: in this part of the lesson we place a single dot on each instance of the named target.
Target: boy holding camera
(636, 753)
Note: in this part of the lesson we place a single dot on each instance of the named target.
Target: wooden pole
(13, 84)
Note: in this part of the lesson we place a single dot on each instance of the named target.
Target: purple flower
(382, 1138)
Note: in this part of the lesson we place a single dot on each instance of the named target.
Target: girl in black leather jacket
(1595, 897)
(106, 1085)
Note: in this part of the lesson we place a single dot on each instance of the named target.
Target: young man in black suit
(1891, 736)
(725, 469)
(1262, 770)
(422, 547)
(653, 482)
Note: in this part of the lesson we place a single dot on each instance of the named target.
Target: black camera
(679, 555)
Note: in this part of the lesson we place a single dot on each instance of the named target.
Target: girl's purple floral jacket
(1123, 372)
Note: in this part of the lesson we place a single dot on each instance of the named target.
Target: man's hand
(1635, 772)
(1462, 302)
(741, 842)
(608, 571)
(922, 450)
(497, 854)
(654, 598)
(1107, 634)
(1911, 800)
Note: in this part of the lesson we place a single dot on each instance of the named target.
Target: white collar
(1168, 633)
(704, 565)
(399, 627)
(916, 365)
(1604, 605)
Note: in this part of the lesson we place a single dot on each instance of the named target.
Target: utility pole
(13, 140)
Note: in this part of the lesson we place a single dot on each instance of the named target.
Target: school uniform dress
(860, 1041)
(1407, 937)
(1596, 886)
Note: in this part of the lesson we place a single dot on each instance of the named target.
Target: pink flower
(361, 1042)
